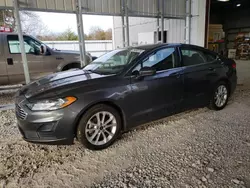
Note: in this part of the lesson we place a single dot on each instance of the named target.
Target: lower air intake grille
(20, 113)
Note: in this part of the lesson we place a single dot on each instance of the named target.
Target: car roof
(11, 33)
(153, 46)
(7, 33)
(150, 47)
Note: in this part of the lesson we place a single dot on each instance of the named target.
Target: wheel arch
(227, 81)
(105, 102)
(70, 64)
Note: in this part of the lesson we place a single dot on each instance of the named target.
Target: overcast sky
(59, 22)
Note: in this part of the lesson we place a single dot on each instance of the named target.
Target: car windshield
(114, 61)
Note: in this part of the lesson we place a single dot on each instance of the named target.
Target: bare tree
(32, 24)
(30, 21)
(96, 33)
(108, 34)
(68, 34)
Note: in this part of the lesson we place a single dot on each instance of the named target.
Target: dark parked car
(122, 89)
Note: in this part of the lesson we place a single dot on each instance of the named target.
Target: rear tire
(99, 127)
(219, 97)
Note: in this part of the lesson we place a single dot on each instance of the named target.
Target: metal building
(176, 20)
(143, 30)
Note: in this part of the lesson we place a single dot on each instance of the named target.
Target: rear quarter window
(192, 56)
(209, 57)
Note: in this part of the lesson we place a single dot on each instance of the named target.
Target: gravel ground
(199, 148)
(6, 98)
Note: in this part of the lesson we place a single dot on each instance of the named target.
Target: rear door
(199, 73)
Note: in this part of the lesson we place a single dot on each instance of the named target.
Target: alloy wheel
(221, 95)
(101, 128)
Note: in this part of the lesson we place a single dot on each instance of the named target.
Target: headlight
(51, 104)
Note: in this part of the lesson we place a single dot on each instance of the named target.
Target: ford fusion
(120, 90)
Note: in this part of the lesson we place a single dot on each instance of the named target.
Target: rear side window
(192, 57)
(210, 57)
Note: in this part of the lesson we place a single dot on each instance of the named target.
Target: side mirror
(43, 49)
(218, 57)
(147, 71)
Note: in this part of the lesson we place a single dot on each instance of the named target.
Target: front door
(15, 66)
(157, 95)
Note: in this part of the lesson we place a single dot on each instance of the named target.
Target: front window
(163, 59)
(113, 62)
(31, 46)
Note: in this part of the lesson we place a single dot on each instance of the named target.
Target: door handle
(211, 69)
(177, 75)
(10, 61)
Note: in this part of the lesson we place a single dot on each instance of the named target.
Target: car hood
(54, 81)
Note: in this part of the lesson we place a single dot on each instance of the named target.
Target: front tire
(99, 127)
(219, 97)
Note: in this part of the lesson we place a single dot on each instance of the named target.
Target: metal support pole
(80, 30)
(207, 21)
(123, 32)
(162, 22)
(123, 24)
(80, 41)
(127, 22)
(188, 21)
(21, 41)
(158, 21)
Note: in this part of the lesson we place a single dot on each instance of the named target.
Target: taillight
(234, 65)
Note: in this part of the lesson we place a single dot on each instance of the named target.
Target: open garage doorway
(228, 33)
(228, 28)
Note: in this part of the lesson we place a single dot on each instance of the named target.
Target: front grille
(20, 113)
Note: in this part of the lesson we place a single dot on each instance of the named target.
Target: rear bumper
(233, 85)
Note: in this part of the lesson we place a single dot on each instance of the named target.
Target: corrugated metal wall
(49, 5)
(148, 8)
(175, 8)
(142, 7)
(109, 7)
(172, 8)
(175, 29)
(198, 22)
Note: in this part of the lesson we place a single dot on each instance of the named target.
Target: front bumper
(35, 135)
(45, 127)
